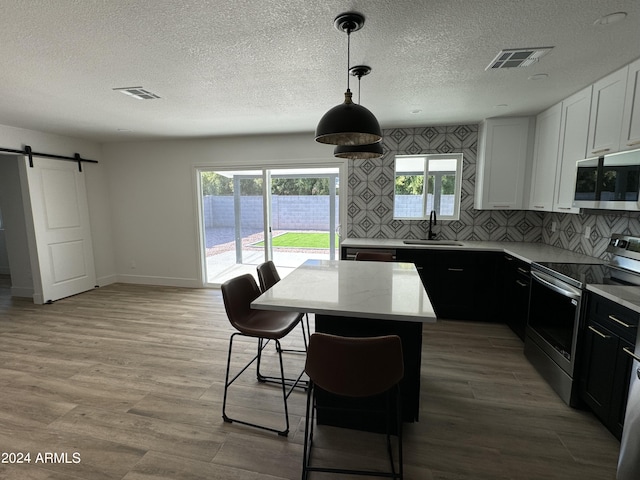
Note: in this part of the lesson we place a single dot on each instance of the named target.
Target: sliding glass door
(243, 223)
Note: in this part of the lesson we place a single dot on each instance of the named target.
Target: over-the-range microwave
(611, 182)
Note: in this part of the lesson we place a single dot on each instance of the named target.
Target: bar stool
(264, 325)
(374, 256)
(268, 276)
(355, 367)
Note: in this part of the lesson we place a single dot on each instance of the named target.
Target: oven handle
(556, 286)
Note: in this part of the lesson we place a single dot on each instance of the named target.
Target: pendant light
(359, 152)
(348, 123)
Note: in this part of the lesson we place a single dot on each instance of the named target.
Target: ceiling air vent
(137, 92)
(518, 57)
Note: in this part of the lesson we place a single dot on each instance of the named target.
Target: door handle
(600, 333)
(625, 325)
(631, 354)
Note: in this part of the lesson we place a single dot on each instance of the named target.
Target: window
(423, 183)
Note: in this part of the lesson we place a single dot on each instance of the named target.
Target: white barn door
(64, 250)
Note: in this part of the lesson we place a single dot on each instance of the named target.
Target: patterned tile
(370, 200)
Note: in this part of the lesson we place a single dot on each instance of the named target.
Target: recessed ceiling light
(611, 18)
(538, 76)
(137, 92)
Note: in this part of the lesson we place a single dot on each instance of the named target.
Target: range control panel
(625, 250)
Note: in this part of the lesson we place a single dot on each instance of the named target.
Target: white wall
(96, 183)
(154, 201)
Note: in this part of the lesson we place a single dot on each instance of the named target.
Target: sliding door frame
(341, 229)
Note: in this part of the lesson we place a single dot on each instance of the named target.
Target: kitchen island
(361, 299)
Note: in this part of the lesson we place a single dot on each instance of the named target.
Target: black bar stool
(355, 367)
(264, 325)
(268, 276)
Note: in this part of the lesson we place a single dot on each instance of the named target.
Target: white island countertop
(376, 290)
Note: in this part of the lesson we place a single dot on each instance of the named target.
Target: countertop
(627, 296)
(392, 291)
(527, 252)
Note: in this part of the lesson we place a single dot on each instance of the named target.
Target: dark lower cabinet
(605, 364)
(461, 283)
(516, 283)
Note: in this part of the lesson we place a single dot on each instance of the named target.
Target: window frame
(437, 193)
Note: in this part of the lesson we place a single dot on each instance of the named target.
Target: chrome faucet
(432, 221)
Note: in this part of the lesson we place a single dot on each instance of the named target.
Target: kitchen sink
(449, 243)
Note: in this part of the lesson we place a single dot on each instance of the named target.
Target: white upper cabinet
(503, 150)
(607, 106)
(630, 138)
(574, 130)
(545, 159)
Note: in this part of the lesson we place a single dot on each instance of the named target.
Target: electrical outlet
(587, 231)
(554, 226)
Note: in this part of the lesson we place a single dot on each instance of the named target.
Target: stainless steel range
(556, 309)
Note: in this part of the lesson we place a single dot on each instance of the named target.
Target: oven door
(554, 318)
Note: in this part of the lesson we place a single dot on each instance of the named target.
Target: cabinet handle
(633, 144)
(451, 269)
(510, 259)
(563, 208)
(523, 270)
(501, 206)
(538, 206)
(522, 284)
(631, 354)
(604, 150)
(598, 333)
(625, 325)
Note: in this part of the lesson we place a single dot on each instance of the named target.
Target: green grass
(301, 240)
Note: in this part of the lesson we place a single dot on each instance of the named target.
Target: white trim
(159, 281)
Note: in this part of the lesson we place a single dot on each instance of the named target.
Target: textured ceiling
(269, 66)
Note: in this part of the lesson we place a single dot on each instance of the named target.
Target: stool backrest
(354, 366)
(374, 256)
(267, 275)
(238, 293)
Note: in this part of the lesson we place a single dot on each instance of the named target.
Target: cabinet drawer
(620, 320)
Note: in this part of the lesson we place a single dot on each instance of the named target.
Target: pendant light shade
(359, 152)
(348, 123)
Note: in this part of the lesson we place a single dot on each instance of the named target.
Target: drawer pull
(625, 325)
(523, 270)
(521, 284)
(451, 269)
(598, 333)
(631, 354)
(563, 208)
(633, 144)
(604, 150)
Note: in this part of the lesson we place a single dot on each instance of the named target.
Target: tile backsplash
(370, 201)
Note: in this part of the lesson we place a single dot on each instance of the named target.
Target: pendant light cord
(348, 55)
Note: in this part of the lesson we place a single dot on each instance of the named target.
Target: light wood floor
(131, 378)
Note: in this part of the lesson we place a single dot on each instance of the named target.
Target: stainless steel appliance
(556, 309)
(610, 182)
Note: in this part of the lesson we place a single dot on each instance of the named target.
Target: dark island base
(339, 411)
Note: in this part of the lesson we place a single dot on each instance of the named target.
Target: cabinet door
(607, 105)
(504, 148)
(545, 159)
(574, 131)
(624, 367)
(599, 363)
(630, 137)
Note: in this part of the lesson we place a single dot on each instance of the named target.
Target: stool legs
(282, 381)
